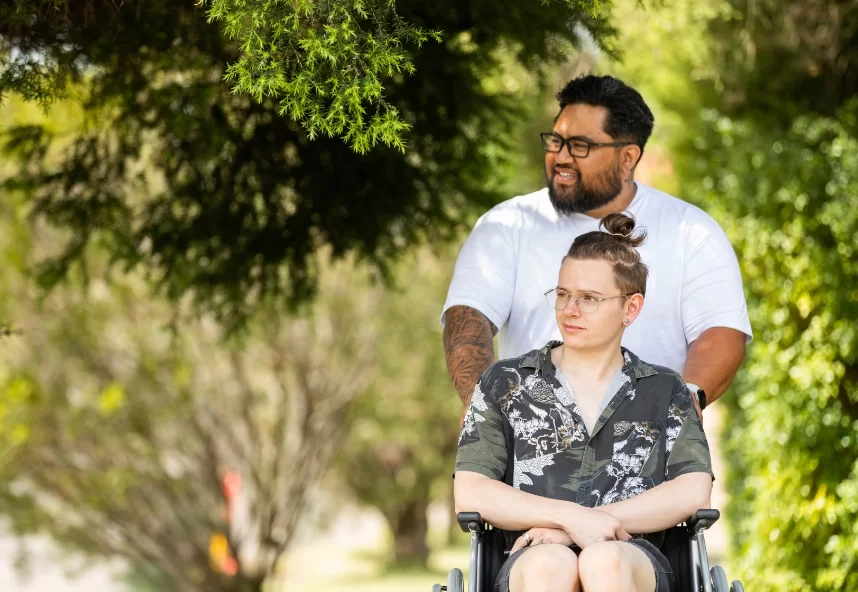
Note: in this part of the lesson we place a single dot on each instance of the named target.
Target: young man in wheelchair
(581, 452)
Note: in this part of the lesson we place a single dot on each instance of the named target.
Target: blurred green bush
(789, 202)
(754, 99)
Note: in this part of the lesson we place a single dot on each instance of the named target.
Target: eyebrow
(596, 292)
(584, 138)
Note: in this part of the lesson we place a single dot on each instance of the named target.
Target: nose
(564, 156)
(571, 309)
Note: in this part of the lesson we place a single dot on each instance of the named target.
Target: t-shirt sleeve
(482, 447)
(687, 448)
(484, 277)
(712, 294)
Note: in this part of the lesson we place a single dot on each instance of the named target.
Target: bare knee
(600, 562)
(545, 567)
(550, 558)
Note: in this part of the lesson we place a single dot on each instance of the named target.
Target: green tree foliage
(119, 418)
(773, 157)
(770, 60)
(402, 442)
(35, 76)
(326, 61)
(791, 206)
(753, 98)
(212, 192)
(765, 141)
(777, 59)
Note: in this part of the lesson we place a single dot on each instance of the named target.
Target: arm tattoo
(468, 347)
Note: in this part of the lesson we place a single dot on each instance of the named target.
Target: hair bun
(622, 227)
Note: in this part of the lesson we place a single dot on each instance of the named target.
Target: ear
(629, 158)
(634, 305)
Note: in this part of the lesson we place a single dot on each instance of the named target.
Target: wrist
(570, 517)
(698, 394)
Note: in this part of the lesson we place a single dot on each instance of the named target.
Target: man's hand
(542, 536)
(587, 526)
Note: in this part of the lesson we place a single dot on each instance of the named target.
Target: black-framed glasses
(578, 147)
(559, 299)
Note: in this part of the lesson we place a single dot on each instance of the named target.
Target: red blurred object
(231, 485)
(229, 566)
(222, 560)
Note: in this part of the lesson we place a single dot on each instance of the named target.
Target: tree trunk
(409, 533)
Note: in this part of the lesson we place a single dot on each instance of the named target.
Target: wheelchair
(684, 547)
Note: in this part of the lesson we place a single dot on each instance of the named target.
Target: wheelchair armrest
(703, 519)
(471, 522)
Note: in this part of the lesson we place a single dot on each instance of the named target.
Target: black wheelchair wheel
(719, 579)
(456, 581)
(737, 586)
(436, 588)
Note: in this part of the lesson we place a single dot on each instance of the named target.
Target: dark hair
(629, 119)
(617, 245)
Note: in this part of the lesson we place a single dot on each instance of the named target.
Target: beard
(586, 195)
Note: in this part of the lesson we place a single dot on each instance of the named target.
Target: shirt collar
(540, 359)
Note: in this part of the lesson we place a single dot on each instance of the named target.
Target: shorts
(663, 574)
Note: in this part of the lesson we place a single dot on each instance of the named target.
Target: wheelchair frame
(703, 579)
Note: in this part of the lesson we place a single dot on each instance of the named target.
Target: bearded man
(695, 320)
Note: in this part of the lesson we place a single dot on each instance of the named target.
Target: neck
(618, 204)
(592, 363)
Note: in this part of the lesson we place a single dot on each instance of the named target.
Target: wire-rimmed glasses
(558, 299)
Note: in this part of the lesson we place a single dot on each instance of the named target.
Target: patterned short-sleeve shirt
(523, 427)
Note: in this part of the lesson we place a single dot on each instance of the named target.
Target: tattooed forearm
(468, 347)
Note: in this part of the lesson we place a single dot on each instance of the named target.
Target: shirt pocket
(631, 466)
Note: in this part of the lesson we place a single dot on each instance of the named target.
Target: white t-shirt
(513, 256)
